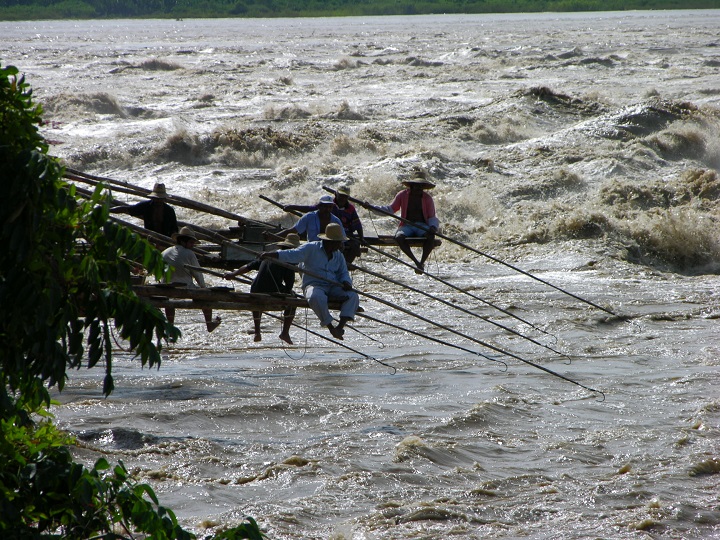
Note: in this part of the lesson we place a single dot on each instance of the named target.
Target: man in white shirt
(178, 256)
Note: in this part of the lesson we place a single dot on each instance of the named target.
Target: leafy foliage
(65, 269)
(64, 284)
(43, 493)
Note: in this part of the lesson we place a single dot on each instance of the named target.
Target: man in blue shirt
(330, 277)
(313, 223)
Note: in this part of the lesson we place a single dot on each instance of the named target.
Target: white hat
(326, 199)
(186, 232)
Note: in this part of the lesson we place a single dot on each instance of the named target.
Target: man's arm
(190, 258)
(252, 265)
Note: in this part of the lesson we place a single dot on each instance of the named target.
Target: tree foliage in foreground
(83, 9)
(64, 289)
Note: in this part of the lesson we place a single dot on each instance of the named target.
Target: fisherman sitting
(178, 256)
(417, 210)
(272, 278)
(326, 276)
(156, 214)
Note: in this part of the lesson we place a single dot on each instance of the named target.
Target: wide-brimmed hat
(419, 177)
(292, 240)
(342, 191)
(333, 232)
(159, 192)
(187, 232)
(326, 199)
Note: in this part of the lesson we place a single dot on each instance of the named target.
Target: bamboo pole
(444, 327)
(459, 289)
(335, 342)
(218, 274)
(146, 233)
(430, 338)
(125, 187)
(369, 206)
(162, 239)
(459, 308)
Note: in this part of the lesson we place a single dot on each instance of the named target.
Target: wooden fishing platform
(226, 248)
(219, 298)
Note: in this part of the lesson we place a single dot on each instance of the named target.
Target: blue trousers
(317, 296)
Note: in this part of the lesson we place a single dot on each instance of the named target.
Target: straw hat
(333, 232)
(159, 192)
(326, 199)
(292, 240)
(186, 232)
(342, 191)
(419, 177)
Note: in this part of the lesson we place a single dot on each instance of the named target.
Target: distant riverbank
(13, 10)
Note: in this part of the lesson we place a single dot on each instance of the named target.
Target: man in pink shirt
(416, 206)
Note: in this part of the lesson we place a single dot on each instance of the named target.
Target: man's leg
(257, 315)
(428, 246)
(170, 314)
(209, 322)
(405, 247)
(288, 316)
(351, 250)
(318, 300)
(347, 310)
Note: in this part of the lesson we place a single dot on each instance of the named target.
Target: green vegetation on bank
(65, 292)
(91, 9)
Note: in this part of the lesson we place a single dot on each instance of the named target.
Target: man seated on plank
(416, 206)
(272, 278)
(177, 257)
(329, 280)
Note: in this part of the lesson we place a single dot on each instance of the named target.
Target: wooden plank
(198, 298)
(389, 240)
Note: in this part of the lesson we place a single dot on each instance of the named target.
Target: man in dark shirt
(272, 278)
(156, 214)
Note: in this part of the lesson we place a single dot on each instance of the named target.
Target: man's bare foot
(286, 338)
(258, 337)
(212, 325)
(420, 268)
(336, 332)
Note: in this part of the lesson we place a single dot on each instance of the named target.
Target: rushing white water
(582, 148)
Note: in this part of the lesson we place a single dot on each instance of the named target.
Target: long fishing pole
(394, 306)
(429, 321)
(278, 317)
(166, 240)
(369, 206)
(318, 334)
(217, 274)
(424, 336)
(396, 259)
(459, 289)
(455, 306)
(126, 187)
